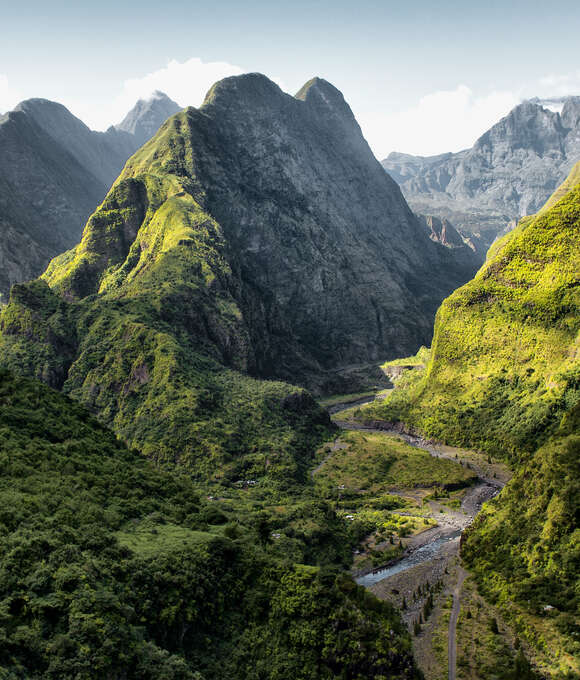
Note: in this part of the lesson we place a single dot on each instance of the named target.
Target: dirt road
(452, 649)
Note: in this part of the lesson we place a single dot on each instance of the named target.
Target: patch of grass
(419, 359)
(345, 398)
(148, 540)
(374, 463)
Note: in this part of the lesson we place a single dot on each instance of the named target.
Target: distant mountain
(146, 116)
(509, 172)
(441, 231)
(54, 171)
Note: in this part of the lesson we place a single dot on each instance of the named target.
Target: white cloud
(9, 97)
(559, 85)
(447, 120)
(185, 82)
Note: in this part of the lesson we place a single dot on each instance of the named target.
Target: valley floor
(449, 622)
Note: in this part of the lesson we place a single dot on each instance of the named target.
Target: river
(427, 545)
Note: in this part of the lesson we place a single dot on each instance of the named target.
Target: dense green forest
(114, 567)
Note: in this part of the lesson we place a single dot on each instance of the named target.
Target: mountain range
(293, 255)
(54, 171)
(510, 171)
(159, 511)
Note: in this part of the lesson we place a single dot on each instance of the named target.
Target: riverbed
(444, 538)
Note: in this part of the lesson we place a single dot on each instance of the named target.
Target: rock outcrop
(508, 173)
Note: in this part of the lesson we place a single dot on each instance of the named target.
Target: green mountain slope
(504, 376)
(134, 362)
(113, 567)
(505, 357)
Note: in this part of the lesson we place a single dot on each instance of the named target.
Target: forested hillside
(113, 567)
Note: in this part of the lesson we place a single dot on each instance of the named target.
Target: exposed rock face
(442, 231)
(327, 256)
(468, 250)
(508, 173)
(45, 194)
(54, 171)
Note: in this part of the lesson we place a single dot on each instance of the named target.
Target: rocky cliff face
(508, 173)
(54, 171)
(256, 235)
(324, 253)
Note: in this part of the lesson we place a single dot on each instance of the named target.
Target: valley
(205, 470)
(427, 566)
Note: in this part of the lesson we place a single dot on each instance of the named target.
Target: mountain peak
(528, 125)
(52, 117)
(249, 88)
(571, 112)
(318, 86)
(324, 98)
(145, 118)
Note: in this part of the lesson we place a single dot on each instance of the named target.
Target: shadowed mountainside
(54, 171)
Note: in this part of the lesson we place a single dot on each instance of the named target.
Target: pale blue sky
(420, 76)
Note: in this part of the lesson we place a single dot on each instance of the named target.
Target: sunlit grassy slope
(504, 377)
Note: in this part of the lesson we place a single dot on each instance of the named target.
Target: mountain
(242, 240)
(504, 377)
(54, 171)
(441, 231)
(509, 172)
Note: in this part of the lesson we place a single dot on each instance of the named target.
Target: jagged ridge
(510, 171)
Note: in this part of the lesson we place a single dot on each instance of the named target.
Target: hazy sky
(421, 77)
